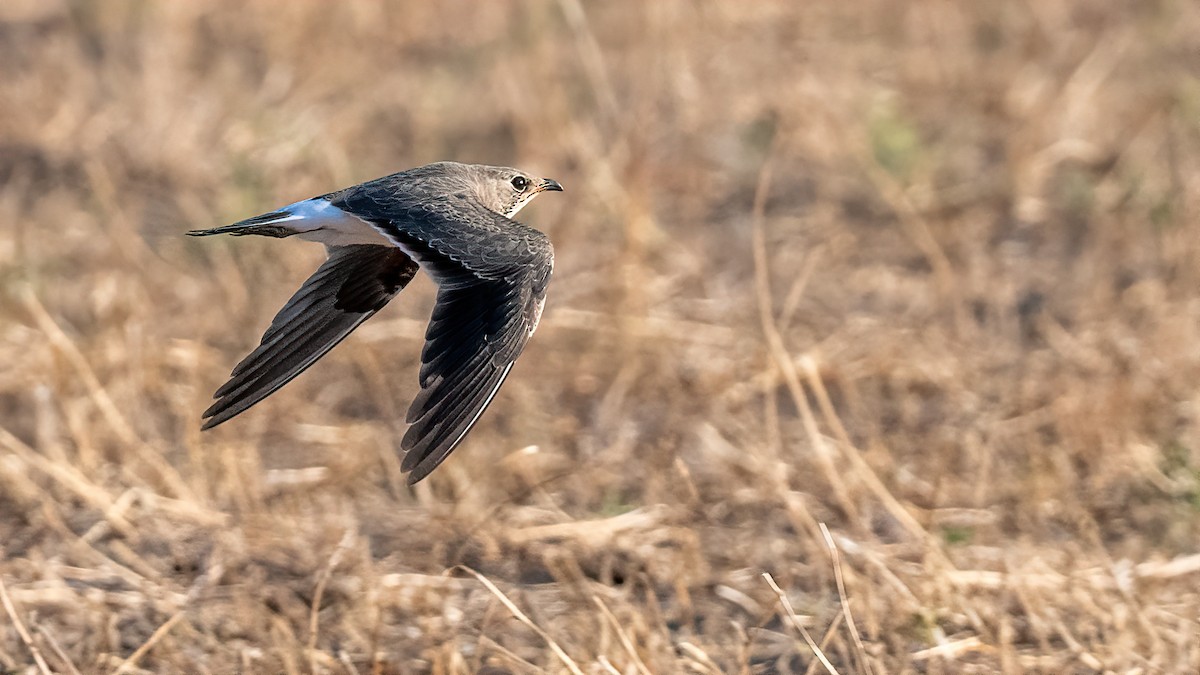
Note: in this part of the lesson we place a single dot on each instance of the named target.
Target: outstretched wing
(349, 287)
(477, 332)
(492, 278)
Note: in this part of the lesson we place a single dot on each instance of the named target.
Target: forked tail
(267, 225)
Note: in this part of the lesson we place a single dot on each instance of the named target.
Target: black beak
(549, 184)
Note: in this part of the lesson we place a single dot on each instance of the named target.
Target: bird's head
(506, 190)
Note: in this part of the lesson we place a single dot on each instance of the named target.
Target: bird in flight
(455, 222)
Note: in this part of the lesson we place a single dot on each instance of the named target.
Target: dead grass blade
(951, 650)
(21, 631)
(511, 659)
(58, 650)
(607, 665)
(314, 614)
(592, 57)
(158, 634)
(861, 468)
(860, 650)
(520, 616)
(779, 352)
(623, 636)
(698, 659)
(825, 640)
(791, 614)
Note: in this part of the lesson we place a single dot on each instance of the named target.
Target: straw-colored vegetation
(926, 274)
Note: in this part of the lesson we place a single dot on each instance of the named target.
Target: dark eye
(520, 183)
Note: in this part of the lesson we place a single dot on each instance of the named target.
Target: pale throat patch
(520, 205)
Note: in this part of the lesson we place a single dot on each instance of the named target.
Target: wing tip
(416, 477)
(224, 409)
(425, 460)
(421, 455)
(426, 447)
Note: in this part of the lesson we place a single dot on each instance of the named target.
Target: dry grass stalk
(798, 624)
(622, 635)
(58, 650)
(520, 616)
(835, 560)
(159, 633)
(315, 615)
(21, 630)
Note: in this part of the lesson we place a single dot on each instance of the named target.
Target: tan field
(873, 344)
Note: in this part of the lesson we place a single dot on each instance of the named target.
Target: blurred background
(925, 273)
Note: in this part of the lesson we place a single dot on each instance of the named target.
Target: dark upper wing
(348, 288)
(492, 274)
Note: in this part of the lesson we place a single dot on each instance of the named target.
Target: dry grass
(926, 273)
